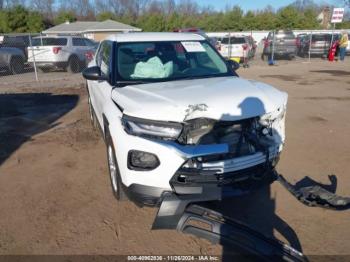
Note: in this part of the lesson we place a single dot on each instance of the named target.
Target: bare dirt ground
(55, 191)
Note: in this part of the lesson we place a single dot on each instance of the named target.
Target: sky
(251, 4)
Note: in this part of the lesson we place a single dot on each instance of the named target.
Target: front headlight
(267, 119)
(143, 127)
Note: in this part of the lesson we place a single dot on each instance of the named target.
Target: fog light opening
(142, 161)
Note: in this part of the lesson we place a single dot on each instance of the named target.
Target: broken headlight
(268, 119)
(151, 128)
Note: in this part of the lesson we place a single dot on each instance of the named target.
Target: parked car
(284, 44)
(237, 46)
(71, 53)
(178, 122)
(17, 41)
(11, 59)
(317, 44)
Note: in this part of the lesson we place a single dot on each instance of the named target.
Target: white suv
(71, 53)
(178, 122)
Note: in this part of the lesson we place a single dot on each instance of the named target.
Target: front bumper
(191, 186)
(199, 187)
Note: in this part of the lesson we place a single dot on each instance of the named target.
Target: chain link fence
(279, 46)
(30, 58)
(36, 58)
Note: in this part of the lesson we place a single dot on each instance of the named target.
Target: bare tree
(46, 7)
(168, 6)
(83, 9)
(188, 7)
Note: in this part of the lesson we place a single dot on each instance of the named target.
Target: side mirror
(233, 64)
(94, 73)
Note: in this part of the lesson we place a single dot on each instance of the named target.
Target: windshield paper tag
(193, 46)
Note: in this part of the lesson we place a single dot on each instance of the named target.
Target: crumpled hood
(220, 98)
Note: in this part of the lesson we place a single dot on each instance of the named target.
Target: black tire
(16, 65)
(73, 66)
(114, 173)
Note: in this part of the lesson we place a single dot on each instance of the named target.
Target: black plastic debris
(248, 243)
(316, 195)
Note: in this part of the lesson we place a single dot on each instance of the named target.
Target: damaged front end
(253, 147)
(229, 158)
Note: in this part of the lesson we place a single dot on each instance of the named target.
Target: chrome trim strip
(239, 163)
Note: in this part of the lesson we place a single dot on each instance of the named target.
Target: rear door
(48, 49)
(80, 47)
(320, 43)
(224, 49)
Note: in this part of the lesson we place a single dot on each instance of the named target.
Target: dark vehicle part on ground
(244, 242)
(12, 59)
(180, 212)
(316, 195)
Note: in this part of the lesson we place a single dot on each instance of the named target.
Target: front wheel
(114, 171)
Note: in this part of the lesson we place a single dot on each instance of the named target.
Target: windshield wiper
(136, 82)
(196, 77)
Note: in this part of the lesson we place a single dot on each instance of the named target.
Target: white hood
(224, 98)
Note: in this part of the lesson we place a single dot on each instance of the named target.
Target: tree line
(157, 15)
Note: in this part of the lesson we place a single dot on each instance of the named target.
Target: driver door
(101, 90)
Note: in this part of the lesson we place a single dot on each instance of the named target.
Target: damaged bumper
(250, 244)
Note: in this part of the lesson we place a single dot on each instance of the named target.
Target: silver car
(71, 53)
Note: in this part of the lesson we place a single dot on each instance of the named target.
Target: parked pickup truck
(11, 59)
(283, 43)
(178, 121)
(71, 53)
(18, 41)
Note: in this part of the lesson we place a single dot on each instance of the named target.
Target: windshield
(165, 61)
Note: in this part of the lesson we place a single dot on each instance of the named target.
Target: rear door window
(79, 42)
(233, 40)
(319, 37)
(238, 40)
(89, 42)
(47, 41)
